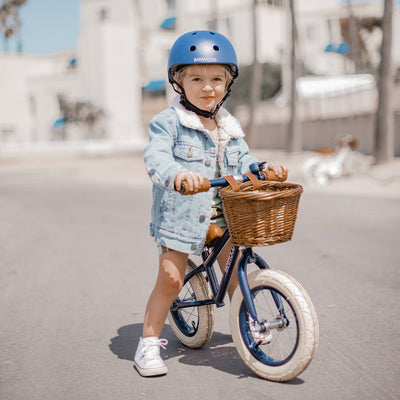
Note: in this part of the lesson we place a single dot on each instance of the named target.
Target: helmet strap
(191, 107)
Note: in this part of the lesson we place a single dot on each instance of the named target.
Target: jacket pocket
(232, 157)
(231, 160)
(188, 152)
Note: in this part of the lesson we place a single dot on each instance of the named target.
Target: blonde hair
(180, 74)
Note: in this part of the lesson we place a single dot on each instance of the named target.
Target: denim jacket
(178, 141)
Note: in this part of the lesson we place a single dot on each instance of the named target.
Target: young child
(195, 138)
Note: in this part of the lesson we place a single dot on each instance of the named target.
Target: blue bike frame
(219, 289)
(209, 257)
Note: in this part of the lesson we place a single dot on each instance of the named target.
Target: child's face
(205, 85)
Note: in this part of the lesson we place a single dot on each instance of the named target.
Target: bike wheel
(193, 326)
(278, 298)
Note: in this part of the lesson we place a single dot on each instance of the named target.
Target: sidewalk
(379, 181)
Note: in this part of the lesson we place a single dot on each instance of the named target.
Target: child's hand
(276, 172)
(193, 181)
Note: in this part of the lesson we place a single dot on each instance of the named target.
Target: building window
(168, 23)
(32, 105)
(273, 3)
(104, 14)
(228, 22)
(138, 10)
(171, 7)
(312, 32)
(212, 24)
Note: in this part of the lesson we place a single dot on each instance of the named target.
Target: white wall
(109, 66)
(18, 100)
(312, 21)
(107, 75)
(127, 49)
(43, 91)
(235, 21)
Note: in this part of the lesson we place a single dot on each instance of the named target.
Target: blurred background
(84, 73)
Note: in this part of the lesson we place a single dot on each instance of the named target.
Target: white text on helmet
(205, 59)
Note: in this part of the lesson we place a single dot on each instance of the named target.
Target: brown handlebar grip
(271, 176)
(203, 188)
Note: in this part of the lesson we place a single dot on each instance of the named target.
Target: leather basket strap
(256, 183)
(234, 185)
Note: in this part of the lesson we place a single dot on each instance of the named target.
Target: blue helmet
(201, 47)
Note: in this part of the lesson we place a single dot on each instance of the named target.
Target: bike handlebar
(256, 169)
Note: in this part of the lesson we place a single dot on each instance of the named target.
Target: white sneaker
(147, 358)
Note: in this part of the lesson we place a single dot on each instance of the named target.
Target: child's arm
(160, 162)
(158, 155)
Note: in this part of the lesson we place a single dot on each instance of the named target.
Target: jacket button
(202, 218)
(190, 154)
(208, 163)
(193, 247)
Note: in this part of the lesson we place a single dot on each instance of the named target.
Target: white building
(104, 70)
(318, 25)
(123, 49)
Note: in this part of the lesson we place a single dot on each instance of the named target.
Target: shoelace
(153, 347)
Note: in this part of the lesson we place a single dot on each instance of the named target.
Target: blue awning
(155, 86)
(330, 48)
(58, 123)
(168, 23)
(343, 48)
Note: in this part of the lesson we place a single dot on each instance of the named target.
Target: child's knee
(171, 286)
(172, 272)
(171, 283)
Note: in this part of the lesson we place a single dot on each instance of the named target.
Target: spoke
(188, 314)
(283, 339)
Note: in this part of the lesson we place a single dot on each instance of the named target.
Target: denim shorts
(162, 249)
(217, 218)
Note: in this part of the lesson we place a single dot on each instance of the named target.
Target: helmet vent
(216, 48)
(192, 48)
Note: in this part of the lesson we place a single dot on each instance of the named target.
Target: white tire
(193, 326)
(292, 347)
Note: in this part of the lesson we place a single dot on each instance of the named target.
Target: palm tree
(9, 18)
(80, 113)
(384, 127)
(294, 135)
(255, 89)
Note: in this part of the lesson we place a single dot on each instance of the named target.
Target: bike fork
(248, 257)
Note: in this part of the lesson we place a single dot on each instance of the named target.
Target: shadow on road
(219, 353)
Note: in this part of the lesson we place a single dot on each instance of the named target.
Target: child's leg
(171, 274)
(222, 259)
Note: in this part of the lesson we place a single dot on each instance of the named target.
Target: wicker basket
(261, 217)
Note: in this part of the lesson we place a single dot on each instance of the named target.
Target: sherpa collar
(228, 125)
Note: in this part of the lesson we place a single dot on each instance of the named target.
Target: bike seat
(214, 233)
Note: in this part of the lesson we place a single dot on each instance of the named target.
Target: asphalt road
(77, 265)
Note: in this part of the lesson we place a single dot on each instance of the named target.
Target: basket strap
(256, 183)
(232, 182)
